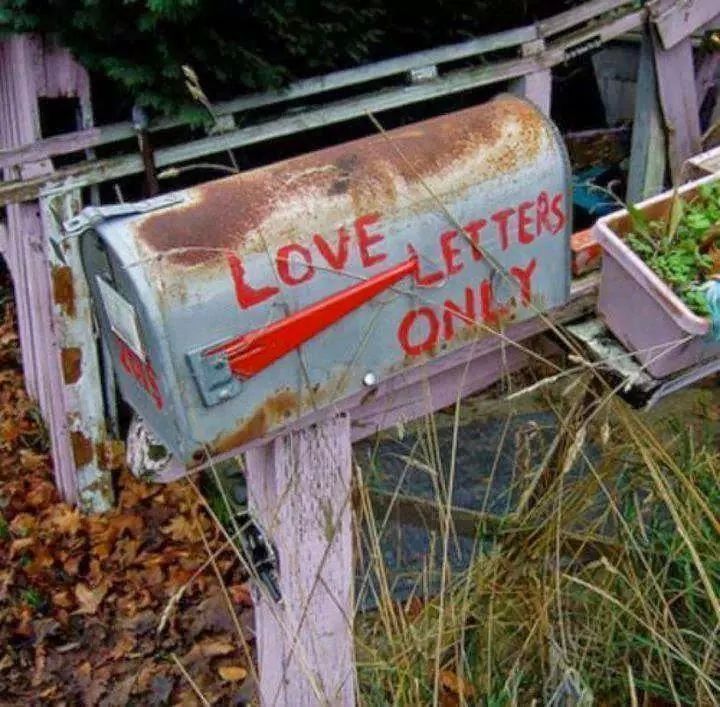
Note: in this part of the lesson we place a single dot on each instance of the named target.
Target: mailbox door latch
(213, 375)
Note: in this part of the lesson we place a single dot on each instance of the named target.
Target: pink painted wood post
(19, 125)
(299, 486)
(49, 297)
(536, 86)
(675, 72)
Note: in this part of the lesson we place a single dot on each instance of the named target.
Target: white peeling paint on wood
(78, 398)
(300, 490)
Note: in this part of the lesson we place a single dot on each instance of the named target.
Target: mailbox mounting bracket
(92, 215)
(213, 375)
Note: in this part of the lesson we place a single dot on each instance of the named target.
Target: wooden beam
(702, 165)
(577, 15)
(299, 487)
(648, 150)
(675, 71)
(676, 20)
(77, 391)
(64, 144)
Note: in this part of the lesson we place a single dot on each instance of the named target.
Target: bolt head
(370, 379)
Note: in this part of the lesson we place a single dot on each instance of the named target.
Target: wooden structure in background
(305, 643)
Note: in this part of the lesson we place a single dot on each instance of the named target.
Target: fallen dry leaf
(454, 683)
(209, 648)
(89, 599)
(65, 519)
(180, 528)
(232, 673)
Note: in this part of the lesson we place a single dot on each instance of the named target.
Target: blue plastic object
(595, 202)
(712, 295)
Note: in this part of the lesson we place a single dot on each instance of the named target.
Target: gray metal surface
(232, 257)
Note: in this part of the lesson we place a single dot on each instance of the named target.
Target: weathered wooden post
(51, 294)
(673, 24)
(300, 491)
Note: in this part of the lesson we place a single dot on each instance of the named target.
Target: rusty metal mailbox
(236, 307)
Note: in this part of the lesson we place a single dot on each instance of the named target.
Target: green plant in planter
(682, 249)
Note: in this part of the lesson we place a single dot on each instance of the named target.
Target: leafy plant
(681, 249)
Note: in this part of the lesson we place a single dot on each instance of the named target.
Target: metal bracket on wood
(92, 215)
(420, 74)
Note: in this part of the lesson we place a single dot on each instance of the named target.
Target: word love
(296, 264)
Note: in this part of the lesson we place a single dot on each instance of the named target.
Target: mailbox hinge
(92, 215)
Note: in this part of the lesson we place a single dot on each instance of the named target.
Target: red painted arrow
(256, 350)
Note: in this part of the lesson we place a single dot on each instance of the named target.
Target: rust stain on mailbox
(262, 297)
(261, 207)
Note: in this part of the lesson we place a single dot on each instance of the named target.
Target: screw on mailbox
(370, 379)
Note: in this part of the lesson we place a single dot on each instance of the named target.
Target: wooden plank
(299, 488)
(676, 20)
(578, 15)
(675, 72)
(616, 69)
(50, 147)
(702, 165)
(648, 148)
(73, 142)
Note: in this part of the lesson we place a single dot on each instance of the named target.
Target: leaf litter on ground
(82, 597)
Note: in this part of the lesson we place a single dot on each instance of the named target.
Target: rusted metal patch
(71, 359)
(275, 204)
(276, 409)
(82, 448)
(64, 289)
(110, 454)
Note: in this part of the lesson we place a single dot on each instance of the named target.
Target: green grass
(615, 606)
